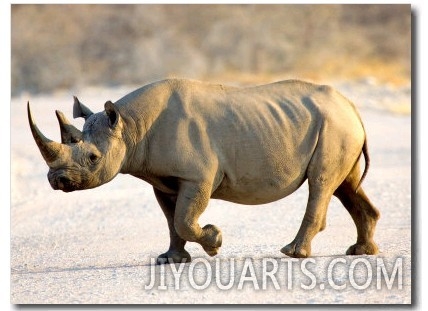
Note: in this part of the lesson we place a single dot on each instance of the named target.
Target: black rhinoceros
(193, 141)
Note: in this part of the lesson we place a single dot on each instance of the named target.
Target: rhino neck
(134, 137)
(140, 122)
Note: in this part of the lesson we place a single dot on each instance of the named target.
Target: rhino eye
(93, 158)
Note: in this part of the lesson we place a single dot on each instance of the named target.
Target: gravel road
(96, 246)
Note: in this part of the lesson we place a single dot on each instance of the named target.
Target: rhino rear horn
(49, 149)
(69, 134)
(80, 110)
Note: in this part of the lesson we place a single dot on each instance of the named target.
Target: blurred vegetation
(69, 46)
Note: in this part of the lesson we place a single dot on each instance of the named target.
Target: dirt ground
(96, 246)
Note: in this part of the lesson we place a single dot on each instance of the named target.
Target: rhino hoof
(212, 251)
(294, 251)
(173, 257)
(214, 239)
(369, 248)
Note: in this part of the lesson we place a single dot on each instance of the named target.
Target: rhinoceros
(193, 141)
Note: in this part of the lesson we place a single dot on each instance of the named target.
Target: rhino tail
(365, 152)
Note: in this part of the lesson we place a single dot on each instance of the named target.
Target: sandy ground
(96, 246)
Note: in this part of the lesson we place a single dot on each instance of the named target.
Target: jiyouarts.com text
(338, 274)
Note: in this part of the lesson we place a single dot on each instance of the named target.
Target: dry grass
(393, 73)
(66, 46)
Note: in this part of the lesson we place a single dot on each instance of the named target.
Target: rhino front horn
(48, 148)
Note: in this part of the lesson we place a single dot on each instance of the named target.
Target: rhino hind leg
(362, 211)
(176, 252)
(330, 165)
(313, 222)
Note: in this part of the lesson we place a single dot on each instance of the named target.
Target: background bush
(69, 46)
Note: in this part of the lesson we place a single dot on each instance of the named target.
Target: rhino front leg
(176, 251)
(191, 203)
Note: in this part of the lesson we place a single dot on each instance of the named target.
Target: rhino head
(84, 159)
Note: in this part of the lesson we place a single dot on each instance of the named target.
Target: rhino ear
(80, 110)
(112, 113)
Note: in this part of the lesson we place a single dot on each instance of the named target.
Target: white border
(419, 9)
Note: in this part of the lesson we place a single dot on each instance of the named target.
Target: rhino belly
(258, 189)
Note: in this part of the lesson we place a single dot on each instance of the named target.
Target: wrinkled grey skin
(194, 141)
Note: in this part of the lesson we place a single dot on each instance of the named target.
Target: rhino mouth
(62, 182)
